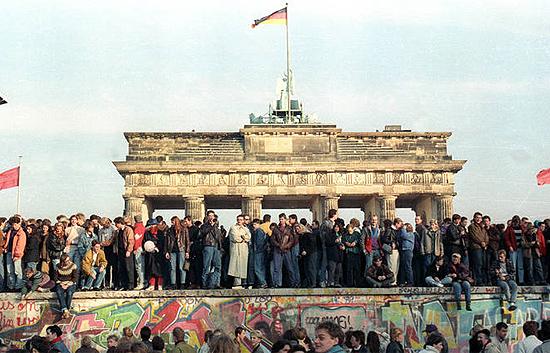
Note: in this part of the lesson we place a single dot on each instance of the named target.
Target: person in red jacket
(139, 232)
(14, 249)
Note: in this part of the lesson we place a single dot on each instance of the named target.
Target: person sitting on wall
(503, 273)
(66, 278)
(461, 281)
(379, 275)
(93, 267)
(35, 281)
(438, 274)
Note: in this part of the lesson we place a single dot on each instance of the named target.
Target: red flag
(9, 178)
(543, 177)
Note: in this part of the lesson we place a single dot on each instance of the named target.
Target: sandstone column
(388, 206)
(371, 206)
(133, 206)
(316, 209)
(445, 206)
(194, 207)
(328, 202)
(252, 206)
(424, 208)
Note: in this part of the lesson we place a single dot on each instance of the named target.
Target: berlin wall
(100, 314)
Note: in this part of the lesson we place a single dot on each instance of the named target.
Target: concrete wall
(101, 313)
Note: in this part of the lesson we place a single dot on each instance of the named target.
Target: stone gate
(311, 166)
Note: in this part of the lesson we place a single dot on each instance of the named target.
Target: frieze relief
(300, 179)
(417, 178)
(321, 178)
(203, 179)
(262, 179)
(358, 178)
(162, 180)
(144, 179)
(398, 178)
(222, 180)
(280, 179)
(242, 180)
(182, 180)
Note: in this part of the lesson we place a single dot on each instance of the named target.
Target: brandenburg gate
(285, 166)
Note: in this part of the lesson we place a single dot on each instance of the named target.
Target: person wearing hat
(461, 281)
(256, 337)
(379, 275)
(432, 330)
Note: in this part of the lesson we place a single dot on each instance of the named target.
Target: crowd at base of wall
(100, 314)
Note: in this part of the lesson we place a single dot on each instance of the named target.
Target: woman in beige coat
(239, 237)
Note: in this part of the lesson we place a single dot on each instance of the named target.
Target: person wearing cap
(503, 273)
(379, 275)
(461, 281)
(432, 330)
(256, 337)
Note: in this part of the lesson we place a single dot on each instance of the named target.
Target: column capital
(194, 206)
(253, 197)
(252, 205)
(193, 197)
(388, 205)
(388, 197)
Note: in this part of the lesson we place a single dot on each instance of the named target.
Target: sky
(77, 74)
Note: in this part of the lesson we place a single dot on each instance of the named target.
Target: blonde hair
(223, 344)
(394, 332)
(433, 222)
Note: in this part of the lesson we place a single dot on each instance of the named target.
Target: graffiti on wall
(101, 317)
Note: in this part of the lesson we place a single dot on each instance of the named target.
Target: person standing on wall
(239, 237)
(125, 246)
(211, 237)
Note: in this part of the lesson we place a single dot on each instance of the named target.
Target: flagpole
(287, 67)
(19, 186)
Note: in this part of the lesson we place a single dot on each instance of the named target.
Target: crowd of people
(329, 338)
(95, 253)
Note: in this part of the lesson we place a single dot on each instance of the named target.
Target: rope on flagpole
(287, 68)
(19, 185)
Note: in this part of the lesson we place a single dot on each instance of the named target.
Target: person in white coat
(239, 237)
(530, 340)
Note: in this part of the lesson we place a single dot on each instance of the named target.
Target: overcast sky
(77, 74)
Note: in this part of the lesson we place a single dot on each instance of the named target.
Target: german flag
(276, 18)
